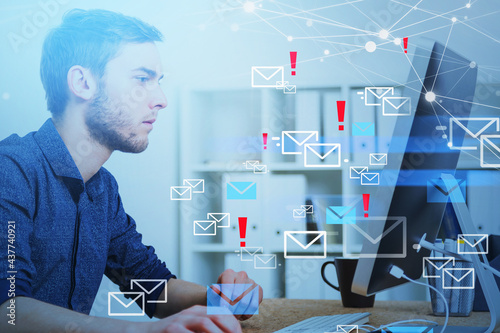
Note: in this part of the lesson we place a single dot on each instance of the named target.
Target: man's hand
(195, 319)
(231, 277)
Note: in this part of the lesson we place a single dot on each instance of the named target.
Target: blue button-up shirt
(65, 234)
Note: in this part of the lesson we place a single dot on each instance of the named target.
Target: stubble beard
(106, 122)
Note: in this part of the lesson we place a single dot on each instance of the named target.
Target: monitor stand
(485, 277)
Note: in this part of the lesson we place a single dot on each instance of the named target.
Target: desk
(278, 313)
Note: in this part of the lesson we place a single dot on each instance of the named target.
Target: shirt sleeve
(16, 220)
(129, 259)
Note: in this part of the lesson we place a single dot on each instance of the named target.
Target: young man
(101, 73)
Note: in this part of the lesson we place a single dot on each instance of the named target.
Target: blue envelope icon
(370, 178)
(237, 298)
(340, 214)
(241, 191)
(408, 329)
(363, 129)
(437, 191)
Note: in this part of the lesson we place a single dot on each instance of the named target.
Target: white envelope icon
(247, 253)
(180, 192)
(197, 185)
(281, 84)
(148, 286)
(490, 151)
(469, 243)
(458, 278)
(356, 171)
(480, 125)
(251, 164)
(118, 308)
(301, 248)
(204, 228)
(264, 261)
(396, 106)
(378, 159)
(377, 93)
(315, 154)
(299, 213)
(438, 263)
(222, 220)
(260, 169)
(371, 231)
(266, 76)
(292, 142)
(290, 89)
(370, 178)
(347, 328)
(308, 208)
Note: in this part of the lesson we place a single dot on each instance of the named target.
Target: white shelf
(223, 248)
(272, 167)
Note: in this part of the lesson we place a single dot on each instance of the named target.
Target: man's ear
(81, 82)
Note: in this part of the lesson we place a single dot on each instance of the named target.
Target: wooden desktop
(277, 313)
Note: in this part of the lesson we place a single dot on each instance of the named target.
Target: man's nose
(159, 100)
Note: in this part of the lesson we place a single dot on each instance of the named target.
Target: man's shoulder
(20, 150)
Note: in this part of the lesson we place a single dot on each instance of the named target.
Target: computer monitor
(418, 152)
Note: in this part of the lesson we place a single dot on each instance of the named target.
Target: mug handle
(324, 277)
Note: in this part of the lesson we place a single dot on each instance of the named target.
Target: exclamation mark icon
(293, 60)
(242, 222)
(264, 138)
(366, 203)
(341, 113)
(405, 44)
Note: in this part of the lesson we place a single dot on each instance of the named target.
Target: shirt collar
(57, 154)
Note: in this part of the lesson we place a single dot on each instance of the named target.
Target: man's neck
(87, 154)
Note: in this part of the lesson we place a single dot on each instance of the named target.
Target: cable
(362, 327)
(399, 273)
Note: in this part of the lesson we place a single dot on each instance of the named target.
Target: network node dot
(249, 6)
(383, 34)
(370, 46)
(430, 96)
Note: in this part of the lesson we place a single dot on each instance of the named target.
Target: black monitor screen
(419, 152)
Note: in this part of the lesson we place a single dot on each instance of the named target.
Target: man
(101, 73)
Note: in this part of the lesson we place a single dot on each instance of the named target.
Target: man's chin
(135, 148)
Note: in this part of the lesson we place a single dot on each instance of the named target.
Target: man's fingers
(227, 323)
(204, 324)
(196, 319)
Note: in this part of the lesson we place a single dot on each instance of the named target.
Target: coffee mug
(345, 268)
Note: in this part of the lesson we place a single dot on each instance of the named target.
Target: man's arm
(181, 295)
(36, 316)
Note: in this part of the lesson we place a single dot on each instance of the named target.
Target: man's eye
(143, 79)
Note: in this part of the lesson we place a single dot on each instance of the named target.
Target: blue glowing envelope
(340, 214)
(237, 298)
(363, 129)
(437, 191)
(408, 329)
(241, 191)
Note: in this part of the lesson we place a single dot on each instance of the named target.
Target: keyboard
(324, 324)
